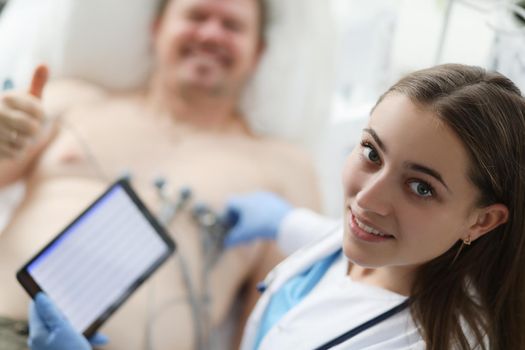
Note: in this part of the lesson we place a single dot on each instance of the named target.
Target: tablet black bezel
(30, 285)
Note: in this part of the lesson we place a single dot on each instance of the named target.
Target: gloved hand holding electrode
(254, 216)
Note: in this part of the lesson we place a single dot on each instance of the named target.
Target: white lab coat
(299, 330)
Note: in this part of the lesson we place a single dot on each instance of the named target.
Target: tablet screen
(98, 260)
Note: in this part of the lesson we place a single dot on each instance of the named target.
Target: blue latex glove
(254, 216)
(49, 330)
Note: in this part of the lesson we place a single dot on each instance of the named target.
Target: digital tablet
(100, 259)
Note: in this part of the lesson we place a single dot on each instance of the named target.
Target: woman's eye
(421, 188)
(370, 153)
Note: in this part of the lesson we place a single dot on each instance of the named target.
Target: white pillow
(106, 42)
(291, 92)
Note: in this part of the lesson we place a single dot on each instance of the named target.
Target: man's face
(208, 46)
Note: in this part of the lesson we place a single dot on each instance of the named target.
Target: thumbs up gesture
(38, 81)
(21, 116)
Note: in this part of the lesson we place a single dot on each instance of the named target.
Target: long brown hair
(477, 299)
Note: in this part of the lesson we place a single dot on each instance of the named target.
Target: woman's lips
(364, 232)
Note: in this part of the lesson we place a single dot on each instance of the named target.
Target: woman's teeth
(370, 229)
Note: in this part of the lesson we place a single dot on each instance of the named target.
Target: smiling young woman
(439, 182)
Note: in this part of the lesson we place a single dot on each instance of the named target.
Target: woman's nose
(376, 195)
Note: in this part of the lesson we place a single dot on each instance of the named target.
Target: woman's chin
(356, 256)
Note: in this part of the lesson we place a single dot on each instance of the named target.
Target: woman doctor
(432, 244)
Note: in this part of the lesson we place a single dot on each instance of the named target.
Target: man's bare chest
(216, 165)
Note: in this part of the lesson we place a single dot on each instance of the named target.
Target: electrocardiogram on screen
(92, 266)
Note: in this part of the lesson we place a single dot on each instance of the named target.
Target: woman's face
(408, 198)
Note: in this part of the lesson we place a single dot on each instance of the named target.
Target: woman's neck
(397, 279)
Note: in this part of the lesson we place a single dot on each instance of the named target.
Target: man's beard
(190, 90)
(221, 87)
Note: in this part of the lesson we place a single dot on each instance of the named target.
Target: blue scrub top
(291, 293)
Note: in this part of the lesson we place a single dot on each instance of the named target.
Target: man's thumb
(39, 80)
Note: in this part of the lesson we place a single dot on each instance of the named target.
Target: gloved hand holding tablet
(100, 259)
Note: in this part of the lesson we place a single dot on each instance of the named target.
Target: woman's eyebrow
(426, 170)
(376, 138)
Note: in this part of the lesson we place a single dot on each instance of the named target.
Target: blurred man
(187, 128)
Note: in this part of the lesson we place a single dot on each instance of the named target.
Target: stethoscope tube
(364, 326)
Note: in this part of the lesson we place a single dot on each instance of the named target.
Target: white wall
(467, 39)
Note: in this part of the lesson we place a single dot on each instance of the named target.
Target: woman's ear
(488, 218)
